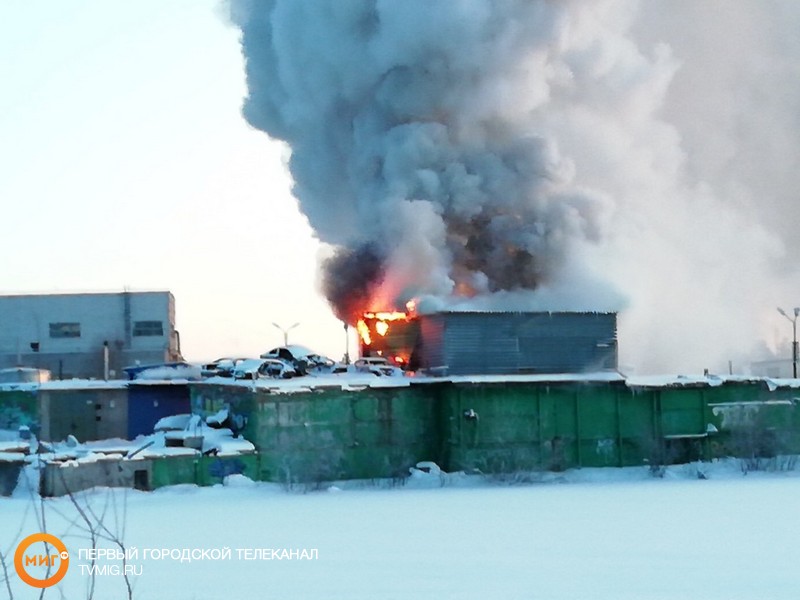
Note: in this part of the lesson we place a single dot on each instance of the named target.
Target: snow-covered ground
(590, 534)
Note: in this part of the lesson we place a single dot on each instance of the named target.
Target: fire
(386, 316)
(363, 331)
(374, 325)
(381, 327)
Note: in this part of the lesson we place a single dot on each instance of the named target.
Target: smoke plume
(542, 155)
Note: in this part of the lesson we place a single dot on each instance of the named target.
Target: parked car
(222, 367)
(255, 368)
(377, 365)
(276, 368)
(305, 360)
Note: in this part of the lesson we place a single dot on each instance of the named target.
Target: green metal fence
(505, 426)
(18, 408)
(329, 434)
(201, 470)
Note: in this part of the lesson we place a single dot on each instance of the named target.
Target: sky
(126, 164)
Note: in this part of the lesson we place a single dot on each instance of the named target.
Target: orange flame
(382, 320)
(363, 331)
(386, 316)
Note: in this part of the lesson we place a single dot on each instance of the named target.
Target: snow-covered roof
(598, 377)
(710, 380)
(357, 380)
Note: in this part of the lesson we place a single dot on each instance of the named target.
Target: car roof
(247, 362)
(296, 350)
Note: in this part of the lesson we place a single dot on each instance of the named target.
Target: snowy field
(589, 534)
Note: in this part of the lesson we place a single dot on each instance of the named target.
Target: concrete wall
(60, 479)
(111, 317)
(87, 413)
(9, 475)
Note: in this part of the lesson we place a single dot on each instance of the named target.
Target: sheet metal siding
(499, 429)
(148, 403)
(507, 343)
(431, 342)
(332, 434)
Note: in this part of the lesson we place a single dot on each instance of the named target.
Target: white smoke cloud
(576, 155)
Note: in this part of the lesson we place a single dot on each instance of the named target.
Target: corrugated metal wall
(489, 427)
(469, 343)
(505, 426)
(332, 433)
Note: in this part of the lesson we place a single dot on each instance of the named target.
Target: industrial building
(88, 335)
(494, 343)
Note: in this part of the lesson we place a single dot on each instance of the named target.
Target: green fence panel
(335, 433)
(599, 426)
(211, 470)
(498, 427)
(638, 429)
(173, 470)
(18, 408)
(682, 411)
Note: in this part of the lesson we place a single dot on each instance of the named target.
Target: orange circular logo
(21, 560)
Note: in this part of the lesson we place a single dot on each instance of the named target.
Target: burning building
(413, 167)
(496, 343)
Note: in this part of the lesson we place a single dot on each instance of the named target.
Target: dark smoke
(399, 144)
(545, 155)
(349, 280)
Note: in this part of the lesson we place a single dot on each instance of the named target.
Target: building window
(148, 328)
(65, 330)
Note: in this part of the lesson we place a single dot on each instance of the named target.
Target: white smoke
(592, 155)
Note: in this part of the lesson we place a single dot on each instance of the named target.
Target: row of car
(285, 362)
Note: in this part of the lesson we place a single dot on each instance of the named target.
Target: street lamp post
(285, 332)
(794, 337)
(346, 343)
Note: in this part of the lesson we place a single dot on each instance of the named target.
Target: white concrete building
(83, 335)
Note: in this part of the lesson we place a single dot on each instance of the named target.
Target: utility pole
(346, 343)
(794, 337)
